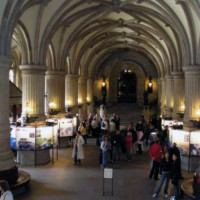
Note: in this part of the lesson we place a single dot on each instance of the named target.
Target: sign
(108, 173)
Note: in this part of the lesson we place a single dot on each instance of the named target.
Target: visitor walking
(4, 191)
(78, 152)
(165, 175)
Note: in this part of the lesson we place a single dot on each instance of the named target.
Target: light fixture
(52, 105)
(198, 113)
(88, 100)
(80, 105)
(103, 90)
(183, 107)
(150, 85)
(68, 102)
(28, 109)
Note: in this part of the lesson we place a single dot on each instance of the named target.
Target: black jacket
(165, 165)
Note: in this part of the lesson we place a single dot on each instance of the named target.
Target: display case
(33, 143)
(188, 143)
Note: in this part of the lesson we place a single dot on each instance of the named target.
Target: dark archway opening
(127, 87)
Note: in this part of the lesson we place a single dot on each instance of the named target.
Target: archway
(127, 86)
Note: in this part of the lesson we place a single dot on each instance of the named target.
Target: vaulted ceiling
(81, 36)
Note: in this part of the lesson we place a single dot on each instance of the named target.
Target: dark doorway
(127, 87)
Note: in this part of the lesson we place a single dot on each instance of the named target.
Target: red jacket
(155, 152)
(128, 141)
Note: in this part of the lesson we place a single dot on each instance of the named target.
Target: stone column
(33, 89)
(90, 96)
(163, 96)
(7, 163)
(71, 91)
(82, 95)
(55, 89)
(169, 95)
(179, 94)
(159, 91)
(192, 93)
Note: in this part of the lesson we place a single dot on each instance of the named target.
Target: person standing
(165, 175)
(83, 131)
(139, 129)
(105, 146)
(175, 176)
(155, 152)
(78, 152)
(4, 191)
(128, 143)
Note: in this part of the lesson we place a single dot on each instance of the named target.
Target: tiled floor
(63, 180)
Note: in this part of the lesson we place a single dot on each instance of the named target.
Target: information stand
(107, 178)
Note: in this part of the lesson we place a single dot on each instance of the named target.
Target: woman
(4, 190)
(175, 175)
(105, 146)
(140, 134)
(165, 175)
(78, 153)
(83, 131)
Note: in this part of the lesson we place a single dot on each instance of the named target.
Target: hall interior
(62, 60)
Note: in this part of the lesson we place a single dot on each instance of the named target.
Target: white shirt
(7, 196)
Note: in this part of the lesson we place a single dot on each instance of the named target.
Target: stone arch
(113, 78)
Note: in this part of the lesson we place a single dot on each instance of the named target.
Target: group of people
(169, 167)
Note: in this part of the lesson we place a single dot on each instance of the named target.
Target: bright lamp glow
(28, 109)
(68, 102)
(88, 99)
(79, 100)
(52, 105)
(183, 107)
(103, 83)
(198, 112)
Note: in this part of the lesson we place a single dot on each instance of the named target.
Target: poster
(13, 137)
(66, 127)
(44, 137)
(25, 139)
(181, 138)
(195, 143)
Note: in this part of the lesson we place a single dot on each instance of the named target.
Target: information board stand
(107, 178)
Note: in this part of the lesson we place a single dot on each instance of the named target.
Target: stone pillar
(7, 163)
(55, 89)
(71, 91)
(90, 96)
(169, 95)
(163, 96)
(159, 91)
(33, 89)
(179, 94)
(192, 93)
(82, 95)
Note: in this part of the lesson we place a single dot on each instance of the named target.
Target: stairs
(127, 112)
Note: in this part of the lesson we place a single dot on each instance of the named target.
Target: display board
(25, 138)
(182, 139)
(66, 127)
(13, 137)
(33, 138)
(195, 143)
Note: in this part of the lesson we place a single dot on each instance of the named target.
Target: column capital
(82, 78)
(55, 73)
(192, 69)
(178, 75)
(5, 60)
(32, 69)
(72, 76)
(169, 77)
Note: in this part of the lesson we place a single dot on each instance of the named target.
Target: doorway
(127, 87)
